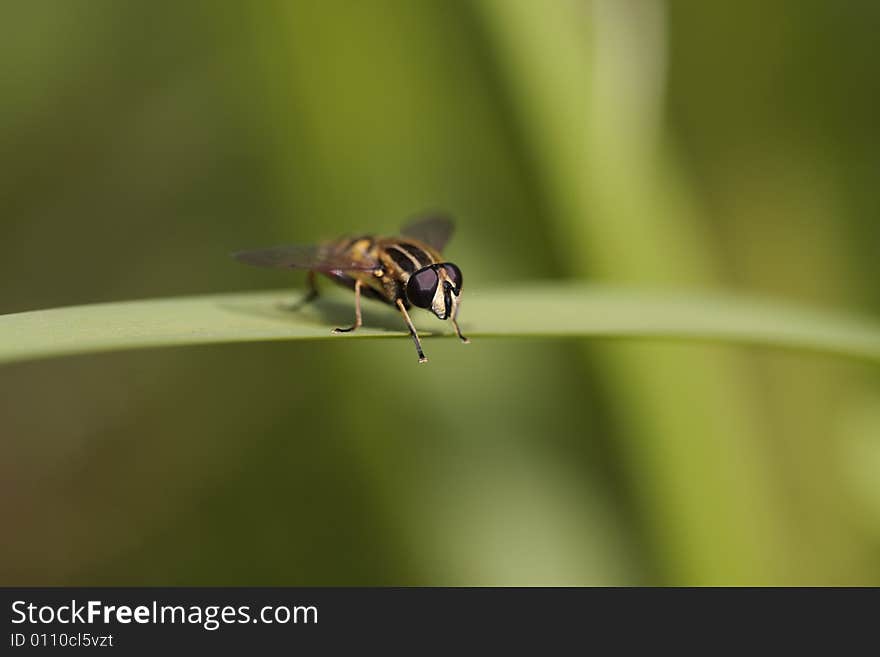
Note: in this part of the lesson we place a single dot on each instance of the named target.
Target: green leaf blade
(524, 311)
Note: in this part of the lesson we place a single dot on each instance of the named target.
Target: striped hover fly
(402, 271)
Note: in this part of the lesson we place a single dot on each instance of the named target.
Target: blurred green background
(656, 144)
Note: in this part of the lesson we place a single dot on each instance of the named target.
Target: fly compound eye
(421, 287)
(453, 273)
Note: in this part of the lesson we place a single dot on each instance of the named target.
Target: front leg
(357, 311)
(412, 331)
(458, 330)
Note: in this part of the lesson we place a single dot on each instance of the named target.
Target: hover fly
(402, 271)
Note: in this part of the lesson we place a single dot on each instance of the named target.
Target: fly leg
(357, 311)
(412, 331)
(458, 330)
(310, 296)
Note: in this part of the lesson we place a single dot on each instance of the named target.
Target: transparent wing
(294, 256)
(434, 230)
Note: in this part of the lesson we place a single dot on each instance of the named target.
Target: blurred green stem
(587, 87)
